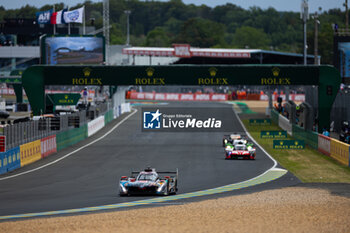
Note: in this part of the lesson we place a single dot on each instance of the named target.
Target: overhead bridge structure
(327, 78)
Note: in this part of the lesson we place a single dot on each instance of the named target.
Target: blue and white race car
(149, 182)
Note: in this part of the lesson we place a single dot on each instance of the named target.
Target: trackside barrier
(95, 125)
(48, 146)
(310, 137)
(294, 97)
(30, 152)
(71, 137)
(324, 144)
(340, 151)
(178, 96)
(109, 116)
(284, 124)
(10, 160)
(274, 116)
(329, 146)
(125, 107)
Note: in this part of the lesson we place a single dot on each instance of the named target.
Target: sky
(279, 5)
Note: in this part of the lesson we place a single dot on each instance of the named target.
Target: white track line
(248, 134)
(75, 151)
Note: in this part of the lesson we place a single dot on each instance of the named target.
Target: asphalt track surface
(90, 176)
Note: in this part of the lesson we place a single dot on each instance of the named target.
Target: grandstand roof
(187, 51)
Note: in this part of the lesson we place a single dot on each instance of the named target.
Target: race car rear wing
(161, 172)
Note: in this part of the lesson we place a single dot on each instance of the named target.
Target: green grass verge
(308, 165)
(243, 107)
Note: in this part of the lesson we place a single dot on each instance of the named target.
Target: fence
(30, 140)
(340, 110)
(31, 130)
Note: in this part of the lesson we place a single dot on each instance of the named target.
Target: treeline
(161, 24)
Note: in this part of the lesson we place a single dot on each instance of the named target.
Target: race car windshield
(149, 177)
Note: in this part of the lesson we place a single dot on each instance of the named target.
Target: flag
(43, 17)
(74, 16)
(57, 17)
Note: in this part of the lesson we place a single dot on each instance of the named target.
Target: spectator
(325, 132)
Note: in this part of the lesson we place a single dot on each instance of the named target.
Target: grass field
(308, 165)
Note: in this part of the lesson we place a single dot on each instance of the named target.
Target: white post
(68, 25)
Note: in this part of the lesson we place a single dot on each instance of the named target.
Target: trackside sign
(273, 134)
(258, 122)
(288, 144)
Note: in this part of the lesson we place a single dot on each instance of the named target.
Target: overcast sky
(280, 5)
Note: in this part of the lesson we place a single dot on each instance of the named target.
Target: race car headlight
(122, 187)
(225, 140)
(160, 188)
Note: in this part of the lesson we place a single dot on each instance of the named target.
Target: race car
(240, 151)
(149, 182)
(230, 138)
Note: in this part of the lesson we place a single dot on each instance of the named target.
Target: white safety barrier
(96, 125)
(125, 107)
(324, 144)
(284, 124)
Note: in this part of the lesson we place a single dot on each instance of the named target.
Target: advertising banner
(178, 96)
(64, 99)
(288, 144)
(10, 160)
(2, 143)
(294, 97)
(324, 144)
(273, 134)
(70, 137)
(96, 125)
(259, 122)
(44, 17)
(13, 159)
(48, 146)
(340, 151)
(30, 152)
(2, 166)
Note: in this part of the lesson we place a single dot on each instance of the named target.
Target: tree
(251, 38)
(157, 38)
(202, 33)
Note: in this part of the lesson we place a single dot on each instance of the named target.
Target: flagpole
(68, 25)
(54, 26)
(84, 22)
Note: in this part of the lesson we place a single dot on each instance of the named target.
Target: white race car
(240, 151)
